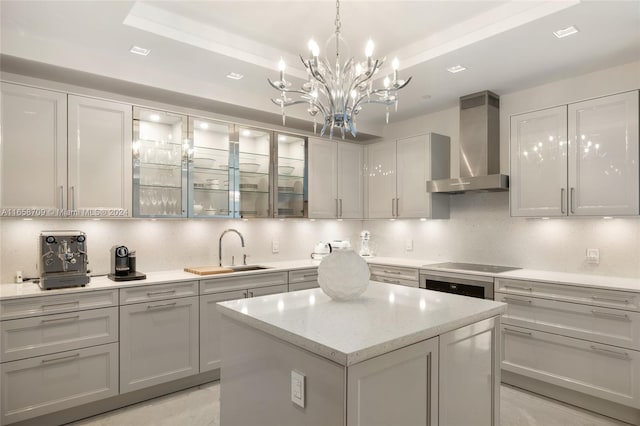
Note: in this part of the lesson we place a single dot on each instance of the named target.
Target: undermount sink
(244, 268)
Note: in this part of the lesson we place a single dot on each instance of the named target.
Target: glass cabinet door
(291, 176)
(211, 169)
(254, 166)
(159, 164)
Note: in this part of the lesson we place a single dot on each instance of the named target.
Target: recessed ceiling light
(234, 76)
(204, 126)
(139, 50)
(456, 68)
(565, 32)
(425, 97)
(154, 117)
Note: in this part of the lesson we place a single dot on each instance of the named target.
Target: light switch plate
(593, 256)
(408, 245)
(297, 388)
(275, 246)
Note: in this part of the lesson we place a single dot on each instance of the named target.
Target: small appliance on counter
(340, 245)
(123, 265)
(63, 259)
(321, 250)
(365, 250)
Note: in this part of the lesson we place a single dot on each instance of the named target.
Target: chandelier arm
(396, 88)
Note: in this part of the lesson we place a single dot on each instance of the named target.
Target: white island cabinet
(396, 355)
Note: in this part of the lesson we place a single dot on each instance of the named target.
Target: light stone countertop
(384, 318)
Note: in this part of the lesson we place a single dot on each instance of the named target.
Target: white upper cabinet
(34, 148)
(577, 160)
(603, 156)
(335, 179)
(539, 163)
(99, 154)
(397, 175)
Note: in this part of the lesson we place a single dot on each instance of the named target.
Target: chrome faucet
(220, 244)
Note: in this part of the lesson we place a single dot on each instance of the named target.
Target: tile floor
(518, 408)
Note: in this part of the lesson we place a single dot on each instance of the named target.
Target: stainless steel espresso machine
(63, 259)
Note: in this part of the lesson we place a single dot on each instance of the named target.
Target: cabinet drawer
(303, 275)
(150, 293)
(216, 285)
(591, 296)
(36, 386)
(44, 305)
(29, 337)
(604, 325)
(599, 370)
(398, 281)
(159, 342)
(396, 272)
(263, 291)
(303, 286)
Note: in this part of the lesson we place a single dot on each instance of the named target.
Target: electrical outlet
(297, 388)
(593, 256)
(408, 245)
(275, 246)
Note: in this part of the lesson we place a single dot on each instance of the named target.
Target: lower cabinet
(395, 275)
(35, 386)
(159, 342)
(406, 379)
(596, 369)
(303, 279)
(210, 321)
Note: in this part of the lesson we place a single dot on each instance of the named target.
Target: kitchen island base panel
(113, 403)
(597, 405)
(256, 381)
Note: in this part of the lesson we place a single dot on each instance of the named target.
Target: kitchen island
(396, 355)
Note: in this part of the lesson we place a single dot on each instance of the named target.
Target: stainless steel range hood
(479, 148)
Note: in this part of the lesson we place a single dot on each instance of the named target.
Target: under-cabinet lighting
(140, 50)
(204, 126)
(565, 32)
(456, 68)
(282, 138)
(423, 219)
(339, 220)
(544, 218)
(246, 132)
(27, 218)
(235, 76)
(312, 220)
(607, 217)
(154, 117)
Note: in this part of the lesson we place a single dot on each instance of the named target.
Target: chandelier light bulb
(281, 65)
(395, 64)
(368, 51)
(358, 69)
(386, 82)
(314, 48)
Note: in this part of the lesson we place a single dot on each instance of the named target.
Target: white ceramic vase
(343, 275)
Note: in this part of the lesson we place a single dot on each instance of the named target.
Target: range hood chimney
(479, 148)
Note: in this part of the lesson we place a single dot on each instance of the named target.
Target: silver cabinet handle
(562, 209)
(392, 272)
(608, 299)
(573, 196)
(337, 215)
(163, 305)
(386, 280)
(72, 195)
(154, 293)
(518, 288)
(60, 319)
(517, 301)
(609, 314)
(61, 197)
(393, 207)
(623, 355)
(340, 208)
(397, 207)
(526, 333)
(53, 305)
(61, 358)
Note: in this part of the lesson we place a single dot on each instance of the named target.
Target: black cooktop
(494, 269)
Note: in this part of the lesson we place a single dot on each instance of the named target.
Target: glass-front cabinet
(202, 168)
(291, 176)
(211, 169)
(159, 164)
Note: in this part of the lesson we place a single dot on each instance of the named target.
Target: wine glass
(165, 198)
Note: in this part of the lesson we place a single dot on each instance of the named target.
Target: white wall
(171, 244)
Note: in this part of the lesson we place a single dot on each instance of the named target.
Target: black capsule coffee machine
(123, 265)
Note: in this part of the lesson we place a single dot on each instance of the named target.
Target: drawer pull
(154, 293)
(386, 280)
(518, 288)
(609, 314)
(526, 333)
(55, 305)
(623, 355)
(609, 299)
(60, 319)
(164, 305)
(392, 272)
(310, 276)
(61, 358)
(517, 301)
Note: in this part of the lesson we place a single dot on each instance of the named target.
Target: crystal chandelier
(338, 91)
